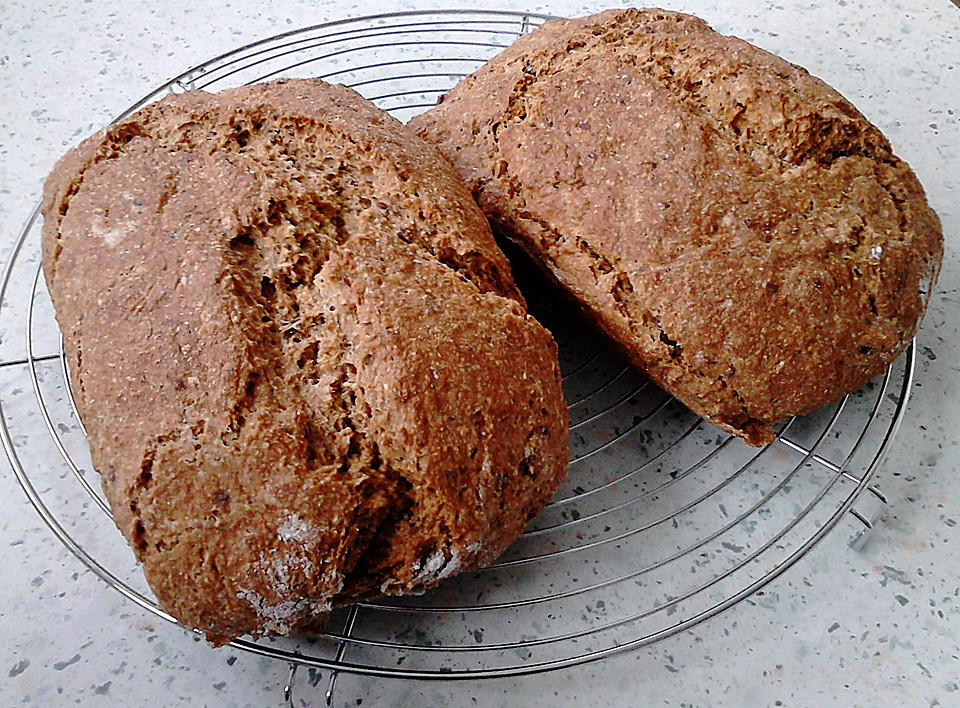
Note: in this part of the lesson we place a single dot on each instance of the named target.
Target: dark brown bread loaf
(744, 234)
(305, 371)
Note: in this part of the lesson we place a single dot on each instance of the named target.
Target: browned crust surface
(305, 372)
(734, 224)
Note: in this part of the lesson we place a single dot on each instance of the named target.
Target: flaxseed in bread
(736, 226)
(304, 369)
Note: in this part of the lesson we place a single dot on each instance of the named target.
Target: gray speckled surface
(872, 627)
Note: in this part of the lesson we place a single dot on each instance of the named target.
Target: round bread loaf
(306, 374)
(736, 226)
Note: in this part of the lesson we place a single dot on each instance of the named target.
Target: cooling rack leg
(872, 506)
(334, 674)
(341, 650)
(330, 686)
(288, 688)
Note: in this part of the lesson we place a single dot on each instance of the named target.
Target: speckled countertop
(875, 626)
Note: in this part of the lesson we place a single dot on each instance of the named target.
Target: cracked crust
(734, 224)
(305, 371)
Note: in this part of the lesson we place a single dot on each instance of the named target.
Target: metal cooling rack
(662, 523)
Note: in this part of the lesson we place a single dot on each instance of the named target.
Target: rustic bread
(305, 371)
(735, 225)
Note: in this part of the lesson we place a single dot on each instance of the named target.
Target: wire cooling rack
(662, 523)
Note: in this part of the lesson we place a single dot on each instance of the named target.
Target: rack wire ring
(662, 523)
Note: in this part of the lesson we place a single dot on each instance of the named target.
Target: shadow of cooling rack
(663, 521)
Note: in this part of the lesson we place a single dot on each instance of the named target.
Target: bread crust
(306, 374)
(730, 221)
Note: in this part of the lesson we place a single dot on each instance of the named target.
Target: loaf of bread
(735, 225)
(305, 371)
